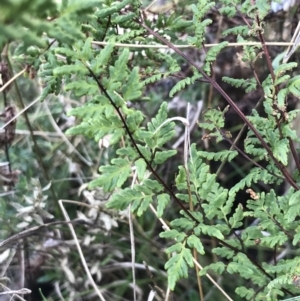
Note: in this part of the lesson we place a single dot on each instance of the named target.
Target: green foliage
(199, 11)
(178, 264)
(140, 196)
(247, 84)
(237, 30)
(211, 56)
(255, 175)
(184, 83)
(214, 122)
(113, 175)
(78, 54)
(218, 156)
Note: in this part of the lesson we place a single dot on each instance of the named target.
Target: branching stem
(160, 180)
(228, 99)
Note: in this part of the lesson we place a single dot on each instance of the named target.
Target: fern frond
(217, 267)
(247, 84)
(245, 292)
(159, 131)
(140, 196)
(255, 175)
(211, 56)
(228, 11)
(200, 11)
(177, 266)
(237, 30)
(113, 175)
(185, 82)
(218, 156)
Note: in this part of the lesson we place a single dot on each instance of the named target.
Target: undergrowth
(76, 49)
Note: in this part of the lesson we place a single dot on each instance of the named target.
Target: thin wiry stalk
(12, 80)
(65, 139)
(161, 46)
(83, 261)
(132, 244)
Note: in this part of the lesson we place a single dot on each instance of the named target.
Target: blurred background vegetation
(40, 164)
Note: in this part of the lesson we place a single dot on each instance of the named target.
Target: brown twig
(228, 99)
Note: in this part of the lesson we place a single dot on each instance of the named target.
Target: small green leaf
(177, 266)
(208, 230)
(102, 58)
(281, 150)
(235, 220)
(86, 52)
(194, 242)
(245, 292)
(274, 240)
(112, 175)
(183, 222)
(141, 167)
(133, 88)
(81, 88)
(295, 198)
(162, 201)
(162, 156)
(172, 234)
(283, 68)
(294, 86)
(122, 199)
(217, 267)
(224, 252)
(70, 69)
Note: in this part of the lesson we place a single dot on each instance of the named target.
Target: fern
(109, 82)
(247, 84)
(255, 175)
(218, 156)
(228, 11)
(184, 83)
(99, 127)
(218, 268)
(140, 196)
(200, 26)
(294, 86)
(244, 292)
(113, 175)
(177, 265)
(159, 131)
(241, 30)
(211, 56)
(99, 63)
(214, 122)
(115, 7)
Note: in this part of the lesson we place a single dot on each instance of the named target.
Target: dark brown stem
(228, 99)
(160, 180)
(265, 50)
(271, 69)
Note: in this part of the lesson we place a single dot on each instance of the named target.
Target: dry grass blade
(295, 43)
(83, 261)
(12, 80)
(161, 46)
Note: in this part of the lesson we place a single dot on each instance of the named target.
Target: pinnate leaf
(112, 175)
